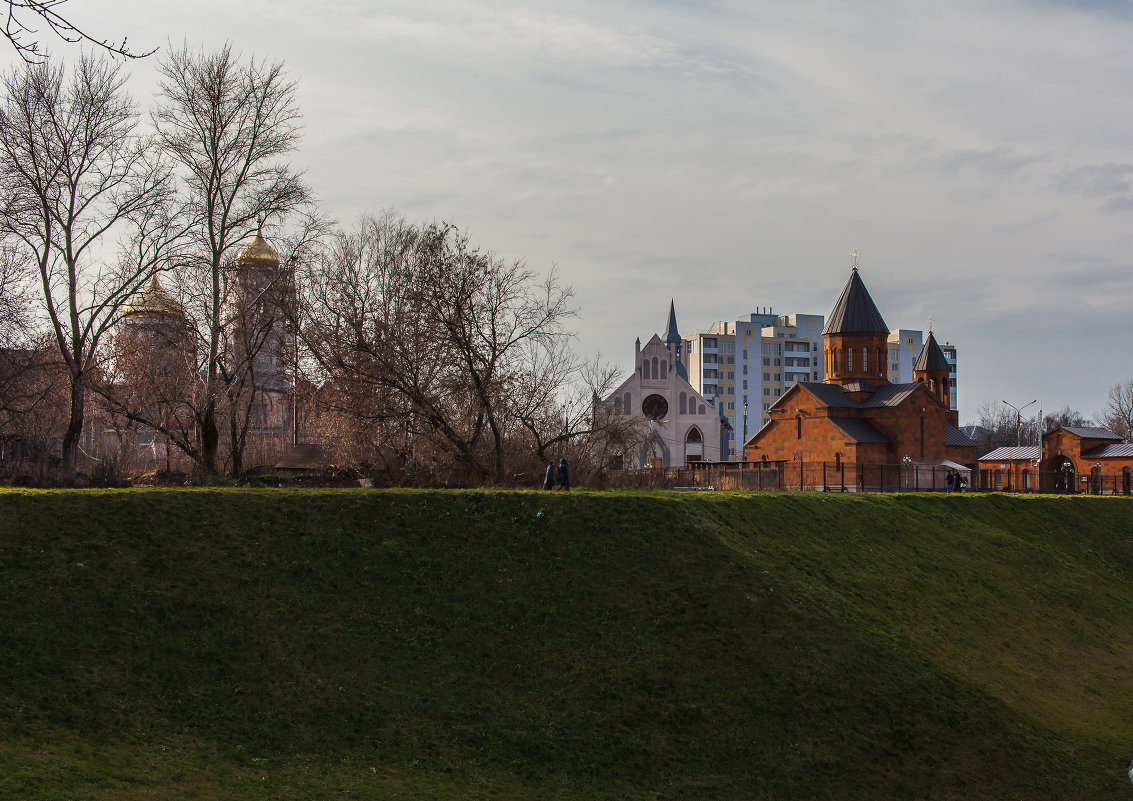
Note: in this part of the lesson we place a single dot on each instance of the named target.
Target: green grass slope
(260, 644)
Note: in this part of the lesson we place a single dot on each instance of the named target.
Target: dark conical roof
(672, 336)
(855, 311)
(931, 357)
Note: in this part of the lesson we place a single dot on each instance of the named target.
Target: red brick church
(856, 415)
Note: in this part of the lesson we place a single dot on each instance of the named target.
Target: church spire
(672, 336)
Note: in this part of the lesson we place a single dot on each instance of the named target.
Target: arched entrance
(654, 452)
(694, 445)
(1064, 475)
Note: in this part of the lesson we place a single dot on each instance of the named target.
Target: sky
(730, 155)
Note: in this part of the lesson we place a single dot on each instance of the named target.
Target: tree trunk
(236, 444)
(210, 439)
(74, 425)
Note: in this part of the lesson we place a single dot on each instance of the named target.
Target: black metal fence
(790, 476)
(1059, 482)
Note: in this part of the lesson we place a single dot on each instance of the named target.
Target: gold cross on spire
(930, 323)
(855, 254)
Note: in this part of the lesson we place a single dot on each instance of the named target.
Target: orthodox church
(856, 415)
(155, 350)
(679, 424)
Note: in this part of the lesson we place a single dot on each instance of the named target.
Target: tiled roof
(830, 395)
(956, 438)
(1091, 432)
(1019, 454)
(855, 310)
(931, 356)
(889, 395)
(857, 429)
(1118, 450)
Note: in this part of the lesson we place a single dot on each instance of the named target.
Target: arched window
(645, 368)
(837, 461)
(701, 409)
(694, 435)
(684, 403)
(849, 360)
(865, 360)
(798, 426)
(653, 368)
(664, 369)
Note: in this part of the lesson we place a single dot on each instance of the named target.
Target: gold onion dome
(153, 301)
(258, 253)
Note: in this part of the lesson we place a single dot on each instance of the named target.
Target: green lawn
(246, 644)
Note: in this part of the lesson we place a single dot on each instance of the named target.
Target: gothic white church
(681, 425)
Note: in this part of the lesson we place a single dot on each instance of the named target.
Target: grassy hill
(268, 644)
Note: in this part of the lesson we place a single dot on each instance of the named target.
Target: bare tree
(1065, 417)
(230, 125)
(25, 19)
(16, 297)
(75, 172)
(443, 337)
(1117, 415)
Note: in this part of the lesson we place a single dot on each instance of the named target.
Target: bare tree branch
(25, 19)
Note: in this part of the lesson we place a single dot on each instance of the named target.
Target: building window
(778, 362)
(767, 376)
(731, 407)
(778, 376)
(731, 360)
(778, 392)
(767, 391)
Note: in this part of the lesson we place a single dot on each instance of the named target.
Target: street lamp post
(1010, 454)
(906, 462)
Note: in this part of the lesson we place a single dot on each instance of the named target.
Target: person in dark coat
(549, 478)
(564, 476)
(949, 479)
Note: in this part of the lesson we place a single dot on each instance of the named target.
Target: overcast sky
(730, 155)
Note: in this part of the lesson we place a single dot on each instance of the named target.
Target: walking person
(549, 478)
(564, 475)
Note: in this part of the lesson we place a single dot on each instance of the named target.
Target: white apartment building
(746, 365)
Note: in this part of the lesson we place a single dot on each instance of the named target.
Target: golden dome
(258, 254)
(153, 301)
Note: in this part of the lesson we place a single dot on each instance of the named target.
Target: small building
(1072, 459)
